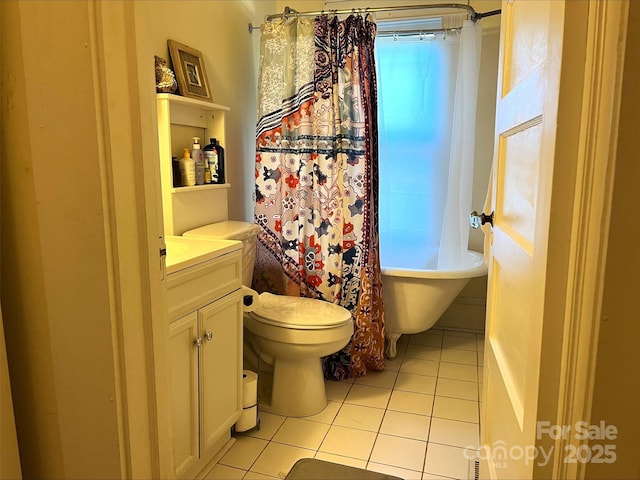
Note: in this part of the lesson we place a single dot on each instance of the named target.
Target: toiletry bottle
(187, 169)
(211, 153)
(198, 157)
(221, 161)
(175, 169)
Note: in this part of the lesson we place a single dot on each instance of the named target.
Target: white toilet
(288, 336)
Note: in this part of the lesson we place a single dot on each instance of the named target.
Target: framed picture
(189, 69)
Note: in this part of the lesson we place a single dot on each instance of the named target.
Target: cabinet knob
(198, 342)
(209, 335)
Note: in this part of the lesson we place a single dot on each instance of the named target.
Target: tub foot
(390, 345)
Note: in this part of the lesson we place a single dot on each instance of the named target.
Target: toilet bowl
(296, 333)
(287, 335)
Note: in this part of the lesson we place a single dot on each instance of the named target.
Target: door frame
(602, 90)
(127, 116)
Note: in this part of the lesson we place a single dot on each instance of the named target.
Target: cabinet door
(220, 368)
(183, 354)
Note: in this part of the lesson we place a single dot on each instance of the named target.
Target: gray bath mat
(313, 469)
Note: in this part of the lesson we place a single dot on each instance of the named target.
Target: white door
(527, 108)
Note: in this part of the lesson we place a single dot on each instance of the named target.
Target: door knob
(477, 219)
(209, 335)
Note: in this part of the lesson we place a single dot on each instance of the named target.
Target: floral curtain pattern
(317, 178)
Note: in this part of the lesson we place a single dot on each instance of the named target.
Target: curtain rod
(290, 12)
(413, 33)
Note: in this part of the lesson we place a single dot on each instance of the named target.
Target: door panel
(528, 43)
(220, 367)
(517, 189)
(183, 357)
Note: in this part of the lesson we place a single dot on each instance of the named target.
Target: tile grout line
(351, 384)
(386, 409)
(433, 405)
(378, 433)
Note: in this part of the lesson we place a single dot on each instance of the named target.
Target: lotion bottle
(187, 169)
(198, 158)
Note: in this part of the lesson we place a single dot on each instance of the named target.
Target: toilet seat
(299, 313)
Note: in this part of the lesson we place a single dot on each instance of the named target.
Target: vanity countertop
(184, 252)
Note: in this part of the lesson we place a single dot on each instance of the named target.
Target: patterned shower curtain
(317, 176)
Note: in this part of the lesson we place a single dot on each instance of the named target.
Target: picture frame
(191, 75)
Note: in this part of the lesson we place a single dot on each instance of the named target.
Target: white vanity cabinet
(179, 120)
(205, 350)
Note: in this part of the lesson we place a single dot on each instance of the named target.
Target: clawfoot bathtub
(414, 299)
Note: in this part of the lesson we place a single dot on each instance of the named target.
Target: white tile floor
(418, 419)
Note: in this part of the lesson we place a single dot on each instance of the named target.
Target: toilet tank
(233, 230)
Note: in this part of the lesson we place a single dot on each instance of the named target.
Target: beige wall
(55, 281)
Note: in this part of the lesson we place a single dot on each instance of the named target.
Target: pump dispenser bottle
(198, 158)
(187, 169)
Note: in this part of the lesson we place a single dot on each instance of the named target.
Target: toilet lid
(300, 313)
